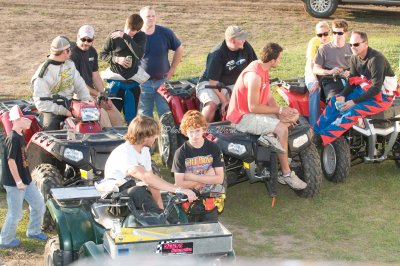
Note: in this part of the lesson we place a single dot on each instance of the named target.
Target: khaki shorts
(257, 124)
(206, 95)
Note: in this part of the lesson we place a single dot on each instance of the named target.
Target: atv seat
(102, 215)
(392, 112)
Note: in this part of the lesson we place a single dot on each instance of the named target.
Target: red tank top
(238, 105)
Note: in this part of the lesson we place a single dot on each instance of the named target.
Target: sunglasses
(68, 50)
(355, 44)
(340, 33)
(86, 40)
(323, 34)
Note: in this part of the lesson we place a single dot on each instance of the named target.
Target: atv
(244, 158)
(71, 156)
(88, 226)
(374, 139)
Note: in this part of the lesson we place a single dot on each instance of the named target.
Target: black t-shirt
(225, 65)
(198, 161)
(16, 146)
(133, 46)
(85, 62)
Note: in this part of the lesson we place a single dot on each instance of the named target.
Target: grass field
(358, 220)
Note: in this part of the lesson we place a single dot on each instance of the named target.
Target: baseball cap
(235, 32)
(86, 31)
(15, 113)
(59, 44)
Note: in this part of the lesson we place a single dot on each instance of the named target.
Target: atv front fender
(75, 226)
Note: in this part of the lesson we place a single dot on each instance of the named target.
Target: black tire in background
(46, 177)
(53, 256)
(320, 9)
(168, 139)
(309, 171)
(336, 160)
(3, 160)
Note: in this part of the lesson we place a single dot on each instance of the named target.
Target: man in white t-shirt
(133, 159)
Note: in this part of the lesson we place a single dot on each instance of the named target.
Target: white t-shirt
(125, 157)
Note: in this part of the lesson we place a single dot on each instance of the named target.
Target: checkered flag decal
(159, 246)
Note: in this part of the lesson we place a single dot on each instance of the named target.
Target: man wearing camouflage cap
(57, 75)
(224, 64)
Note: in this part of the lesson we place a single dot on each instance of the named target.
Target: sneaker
(269, 141)
(14, 243)
(292, 180)
(41, 236)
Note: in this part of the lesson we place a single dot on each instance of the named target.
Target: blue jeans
(313, 104)
(15, 199)
(149, 95)
(129, 92)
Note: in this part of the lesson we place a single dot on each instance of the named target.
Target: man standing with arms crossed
(155, 62)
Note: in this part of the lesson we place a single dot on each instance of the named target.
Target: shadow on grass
(368, 15)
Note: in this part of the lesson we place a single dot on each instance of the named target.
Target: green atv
(112, 228)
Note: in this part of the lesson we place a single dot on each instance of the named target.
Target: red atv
(74, 155)
(374, 139)
(244, 158)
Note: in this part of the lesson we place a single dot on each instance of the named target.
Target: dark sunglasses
(340, 33)
(323, 34)
(355, 44)
(86, 40)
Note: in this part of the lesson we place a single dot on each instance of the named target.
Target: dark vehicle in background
(325, 8)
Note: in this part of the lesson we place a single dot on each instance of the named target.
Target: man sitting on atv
(132, 159)
(253, 109)
(198, 163)
(333, 59)
(57, 75)
(224, 64)
(370, 90)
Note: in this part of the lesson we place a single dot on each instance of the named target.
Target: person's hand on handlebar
(189, 193)
(335, 71)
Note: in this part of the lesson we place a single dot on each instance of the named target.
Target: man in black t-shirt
(224, 64)
(123, 50)
(198, 163)
(19, 186)
(85, 56)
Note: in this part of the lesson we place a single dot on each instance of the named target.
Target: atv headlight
(73, 155)
(300, 141)
(90, 114)
(237, 149)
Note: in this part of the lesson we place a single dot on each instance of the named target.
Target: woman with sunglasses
(322, 37)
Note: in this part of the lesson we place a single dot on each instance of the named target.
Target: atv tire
(320, 9)
(309, 171)
(53, 256)
(46, 177)
(335, 160)
(168, 139)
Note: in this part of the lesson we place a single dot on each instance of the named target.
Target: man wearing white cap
(224, 64)
(19, 186)
(57, 75)
(84, 55)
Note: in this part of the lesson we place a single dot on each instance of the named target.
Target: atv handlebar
(58, 99)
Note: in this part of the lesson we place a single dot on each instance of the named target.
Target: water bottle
(129, 58)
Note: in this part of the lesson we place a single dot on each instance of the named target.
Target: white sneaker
(292, 180)
(269, 141)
